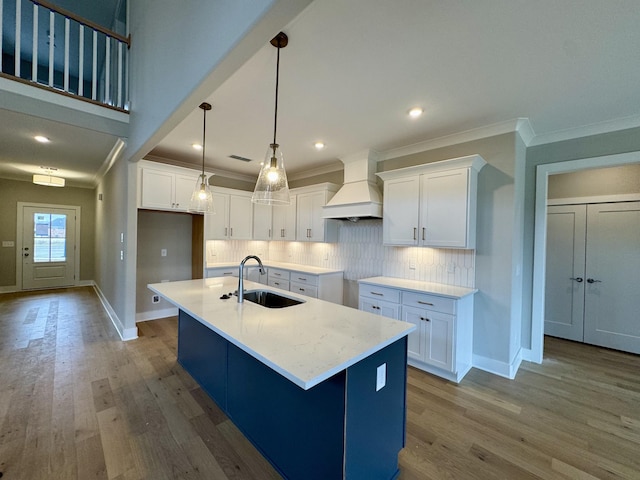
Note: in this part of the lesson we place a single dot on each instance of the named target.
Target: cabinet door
(284, 220)
(400, 217)
(157, 189)
(439, 339)
(217, 224)
(184, 186)
(379, 307)
(262, 227)
(305, 216)
(444, 213)
(416, 344)
(240, 217)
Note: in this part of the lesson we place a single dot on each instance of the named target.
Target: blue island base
(341, 428)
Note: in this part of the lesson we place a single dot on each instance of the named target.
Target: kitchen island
(318, 388)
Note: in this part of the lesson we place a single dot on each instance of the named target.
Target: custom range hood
(359, 197)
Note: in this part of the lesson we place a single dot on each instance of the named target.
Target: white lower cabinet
(442, 343)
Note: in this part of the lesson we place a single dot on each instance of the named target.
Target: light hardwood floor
(76, 402)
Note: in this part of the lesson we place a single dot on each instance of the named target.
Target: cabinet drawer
(276, 282)
(303, 278)
(381, 293)
(303, 289)
(430, 302)
(277, 273)
(222, 272)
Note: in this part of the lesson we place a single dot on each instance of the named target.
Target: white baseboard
(85, 283)
(155, 314)
(504, 369)
(9, 289)
(125, 333)
(528, 356)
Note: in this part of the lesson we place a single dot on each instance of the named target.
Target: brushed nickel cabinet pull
(423, 229)
(415, 231)
(425, 303)
(376, 293)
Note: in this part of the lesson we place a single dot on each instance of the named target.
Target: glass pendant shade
(272, 187)
(201, 198)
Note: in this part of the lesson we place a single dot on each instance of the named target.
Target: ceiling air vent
(242, 159)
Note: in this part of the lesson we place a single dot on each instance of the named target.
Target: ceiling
(352, 70)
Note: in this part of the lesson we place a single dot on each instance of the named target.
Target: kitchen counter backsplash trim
(360, 254)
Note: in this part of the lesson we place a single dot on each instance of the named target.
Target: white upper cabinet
(262, 222)
(432, 205)
(311, 227)
(233, 219)
(284, 221)
(165, 187)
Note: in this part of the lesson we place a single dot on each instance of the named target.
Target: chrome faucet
(241, 275)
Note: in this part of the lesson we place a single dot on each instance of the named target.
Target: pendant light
(272, 187)
(201, 198)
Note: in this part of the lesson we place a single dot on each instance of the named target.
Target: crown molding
(587, 130)
(216, 171)
(457, 138)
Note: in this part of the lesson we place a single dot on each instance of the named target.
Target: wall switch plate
(121, 254)
(412, 264)
(8, 243)
(381, 376)
(121, 237)
(163, 252)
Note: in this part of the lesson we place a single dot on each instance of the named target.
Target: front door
(48, 247)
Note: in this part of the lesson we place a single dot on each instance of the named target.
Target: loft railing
(49, 46)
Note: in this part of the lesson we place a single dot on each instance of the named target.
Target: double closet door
(593, 274)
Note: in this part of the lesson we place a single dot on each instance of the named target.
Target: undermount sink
(270, 299)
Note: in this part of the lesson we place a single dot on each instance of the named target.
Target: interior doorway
(540, 245)
(49, 245)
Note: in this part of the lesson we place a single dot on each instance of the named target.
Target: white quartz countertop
(440, 289)
(295, 267)
(306, 343)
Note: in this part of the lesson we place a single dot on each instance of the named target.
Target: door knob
(26, 254)
(592, 280)
(577, 279)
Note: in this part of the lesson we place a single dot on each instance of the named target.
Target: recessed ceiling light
(41, 139)
(196, 146)
(416, 112)
(319, 145)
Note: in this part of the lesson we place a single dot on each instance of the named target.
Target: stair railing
(93, 65)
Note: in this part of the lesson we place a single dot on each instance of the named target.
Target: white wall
(182, 51)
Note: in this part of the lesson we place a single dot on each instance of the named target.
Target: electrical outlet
(8, 243)
(163, 252)
(155, 298)
(412, 264)
(381, 376)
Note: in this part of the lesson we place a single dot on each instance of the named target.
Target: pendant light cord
(275, 117)
(204, 130)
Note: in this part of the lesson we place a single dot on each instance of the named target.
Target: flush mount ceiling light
(319, 145)
(272, 187)
(41, 139)
(416, 112)
(47, 179)
(201, 198)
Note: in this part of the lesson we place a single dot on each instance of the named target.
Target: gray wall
(13, 191)
(622, 141)
(496, 326)
(113, 275)
(621, 180)
(157, 231)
